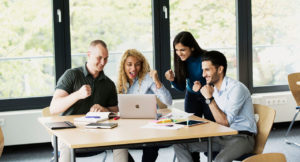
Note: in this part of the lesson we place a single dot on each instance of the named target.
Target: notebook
(137, 106)
(94, 117)
(60, 125)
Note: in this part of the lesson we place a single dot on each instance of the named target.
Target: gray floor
(43, 152)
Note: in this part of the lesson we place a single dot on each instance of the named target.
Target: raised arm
(219, 115)
(160, 91)
(62, 100)
(171, 77)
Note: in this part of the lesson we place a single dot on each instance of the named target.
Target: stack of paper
(94, 117)
(177, 116)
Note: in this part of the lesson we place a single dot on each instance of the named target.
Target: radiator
(22, 127)
(283, 103)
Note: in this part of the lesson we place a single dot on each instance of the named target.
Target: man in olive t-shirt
(85, 89)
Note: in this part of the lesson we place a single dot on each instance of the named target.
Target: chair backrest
(46, 112)
(294, 84)
(267, 157)
(264, 125)
(1, 142)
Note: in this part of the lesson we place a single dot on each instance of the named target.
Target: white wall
(22, 127)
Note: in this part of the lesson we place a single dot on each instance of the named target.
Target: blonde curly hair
(123, 80)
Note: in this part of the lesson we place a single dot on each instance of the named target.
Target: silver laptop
(137, 106)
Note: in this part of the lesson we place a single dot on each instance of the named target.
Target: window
(122, 25)
(268, 46)
(26, 49)
(275, 41)
(212, 23)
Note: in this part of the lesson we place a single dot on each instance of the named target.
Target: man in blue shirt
(231, 105)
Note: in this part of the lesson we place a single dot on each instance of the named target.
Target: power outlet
(269, 101)
(284, 100)
(276, 101)
(1, 122)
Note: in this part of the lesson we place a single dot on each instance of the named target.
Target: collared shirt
(148, 87)
(234, 99)
(103, 89)
(194, 73)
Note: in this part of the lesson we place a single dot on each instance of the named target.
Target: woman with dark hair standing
(188, 70)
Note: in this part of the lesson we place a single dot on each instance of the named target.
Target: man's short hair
(217, 59)
(97, 42)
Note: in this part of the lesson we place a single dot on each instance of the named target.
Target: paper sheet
(177, 115)
(171, 126)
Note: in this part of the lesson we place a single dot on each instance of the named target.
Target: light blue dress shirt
(234, 99)
(148, 87)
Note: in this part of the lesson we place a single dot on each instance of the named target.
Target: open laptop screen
(137, 106)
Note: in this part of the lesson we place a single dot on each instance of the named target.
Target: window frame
(244, 49)
(161, 50)
(62, 57)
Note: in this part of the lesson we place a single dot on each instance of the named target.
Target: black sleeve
(66, 81)
(113, 99)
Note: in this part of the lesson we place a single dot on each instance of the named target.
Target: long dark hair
(186, 39)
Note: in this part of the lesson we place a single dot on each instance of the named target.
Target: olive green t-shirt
(104, 90)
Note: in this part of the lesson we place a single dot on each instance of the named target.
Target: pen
(92, 117)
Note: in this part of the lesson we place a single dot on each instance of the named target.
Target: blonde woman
(135, 77)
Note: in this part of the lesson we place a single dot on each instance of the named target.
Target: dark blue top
(194, 73)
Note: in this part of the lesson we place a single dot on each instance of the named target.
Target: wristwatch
(209, 100)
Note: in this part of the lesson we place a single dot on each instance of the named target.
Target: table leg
(73, 156)
(55, 148)
(209, 150)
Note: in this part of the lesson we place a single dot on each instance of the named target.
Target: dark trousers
(149, 154)
(195, 103)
